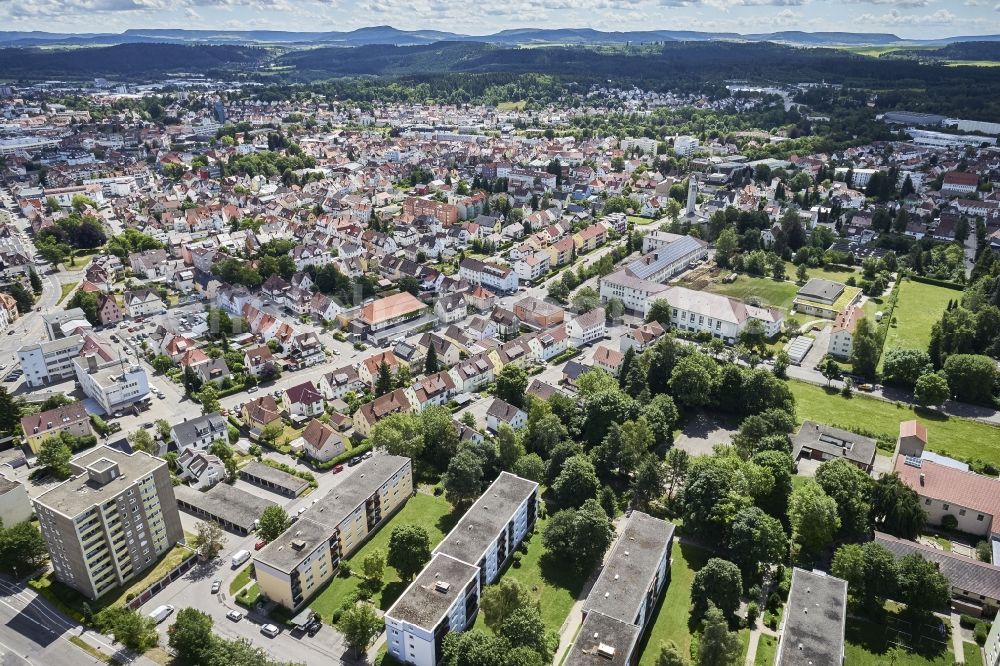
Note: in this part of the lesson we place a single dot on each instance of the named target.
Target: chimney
(91, 363)
(922, 477)
(692, 194)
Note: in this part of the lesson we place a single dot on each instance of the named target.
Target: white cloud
(897, 18)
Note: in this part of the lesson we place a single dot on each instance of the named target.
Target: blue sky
(906, 18)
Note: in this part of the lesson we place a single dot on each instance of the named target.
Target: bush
(967, 621)
(949, 522)
(517, 560)
(984, 552)
(752, 612)
(981, 632)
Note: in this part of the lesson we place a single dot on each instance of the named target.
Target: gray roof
(481, 524)
(815, 617)
(226, 503)
(658, 260)
(601, 631)
(341, 502)
(272, 475)
(974, 577)
(6, 485)
(834, 442)
(621, 588)
(78, 493)
(426, 600)
(818, 289)
(191, 430)
(295, 544)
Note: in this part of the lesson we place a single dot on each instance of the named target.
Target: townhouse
(586, 328)
(142, 302)
(303, 400)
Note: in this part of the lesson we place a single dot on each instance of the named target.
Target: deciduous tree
(409, 550)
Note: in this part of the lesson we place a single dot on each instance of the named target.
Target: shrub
(983, 551)
(967, 621)
(517, 560)
(752, 612)
(949, 522)
(981, 633)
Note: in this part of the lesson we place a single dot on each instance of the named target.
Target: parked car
(354, 461)
(161, 613)
(270, 630)
(252, 389)
(313, 627)
(234, 615)
(337, 469)
(301, 510)
(260, 544)
(216, 586)
(367, 455)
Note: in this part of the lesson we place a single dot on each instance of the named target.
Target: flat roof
(821, 290)
(275, 476)
(599, 634)
(78, 493)
(432, 593)
(294, 545)
(341, 502)
(621, 588)
(813, 631)
(224, 502)
(485, 519)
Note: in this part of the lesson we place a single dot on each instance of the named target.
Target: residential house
(256, 359)
(335, 384)
(641, 337)
(199, 432)
(433, 389)
(450, 308)
(201, 470)
(842, 333)
(142, 302)
(497, 278)
(537, 313)
(370, 413)
(586, 328)
(108, 311)
(474, 373)
(303, 400)
(72, 419)
(501, 411)
(319, 441)
(368, 369)
(816, 441)
(260, 412)
(609, 360)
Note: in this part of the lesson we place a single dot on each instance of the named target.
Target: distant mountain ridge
(388, 35)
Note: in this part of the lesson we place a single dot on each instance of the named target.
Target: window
(927, 501)
(961, 512)
(979, 517)
(945, 506)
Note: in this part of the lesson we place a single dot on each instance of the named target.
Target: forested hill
(124, 60)
(970, 51)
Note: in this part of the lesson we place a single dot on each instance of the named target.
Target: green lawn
(767, 649)
(770, 292)
(553, 584)
(434, 514)
(832, 272)
(242, 578)
(868, 644)
(639, 220)
(960, 438)
(66, 287)
(973, 655)
(917, 308)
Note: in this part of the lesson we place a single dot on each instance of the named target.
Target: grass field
(868, 644)
(512, 106)
(971, 63)
(673, 612)
(959, 438)
(778, 294)
(242, 578)
(554, 585)
(918, 306)
(66, 287)
(434, 514)
(973, 655)
(832, 272)
(767, 649)
(639, 220)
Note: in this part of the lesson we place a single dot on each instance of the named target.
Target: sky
(911, 19)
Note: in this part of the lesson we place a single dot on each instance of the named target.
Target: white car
(270, 630)
(234, 615)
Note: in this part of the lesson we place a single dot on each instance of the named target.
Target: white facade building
(47, 362)
(115, 385)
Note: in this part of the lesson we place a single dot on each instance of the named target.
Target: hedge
(363, 447)
(937, 283)
(288, 469)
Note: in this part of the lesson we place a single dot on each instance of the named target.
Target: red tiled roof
(913, 428)
(954, 486)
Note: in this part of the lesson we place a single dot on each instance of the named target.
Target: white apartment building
(114, 385)
(47, 362)
(498, 278)
(721, 316)
(646, 145)
(842, 333)
(684, 146)
(445, 596)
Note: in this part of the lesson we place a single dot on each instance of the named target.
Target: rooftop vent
(298, 544)
(442, 586)
(606, 651)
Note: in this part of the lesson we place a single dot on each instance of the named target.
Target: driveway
(702, 433)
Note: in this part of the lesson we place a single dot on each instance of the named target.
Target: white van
(161, 613)
(240, 557)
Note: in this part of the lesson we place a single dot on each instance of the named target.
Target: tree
(511, 385)
(273, 523)
(813, 517)
(903, 366)
(208, 539)
(865, 349)
(579, 537)
(659, 311)
(897, 508)
(55, 455)
(401, 434)
(209, 398)
(781, 363)
(509, 448)
(756, 539)
(502, 599)
(440, 435)
(383, 380)
(595, 381)
(270, 433)
(691, 382)
(576, 483)
(133, 630)
(558, 290)
(647, 485)
(360, 624)
(931, 390)
(922, 587)
(10, 412)
(409, 550)
(35, 280)
(972, 378)
(726, 246)
(162, 363)
(373, 567)
(464, 478)
(829, 369)
(22, 549)
(141, 440)
(851, 489)
(870, 570)
(431, 361)
(530, 466)
(524, 628)
(675, 469)
(719, 584)
(586, 299)
(191, 637)
(801, 274)
(670, 655)
(718, 646)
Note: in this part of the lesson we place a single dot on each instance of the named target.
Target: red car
(260, 544)
(338, 468)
